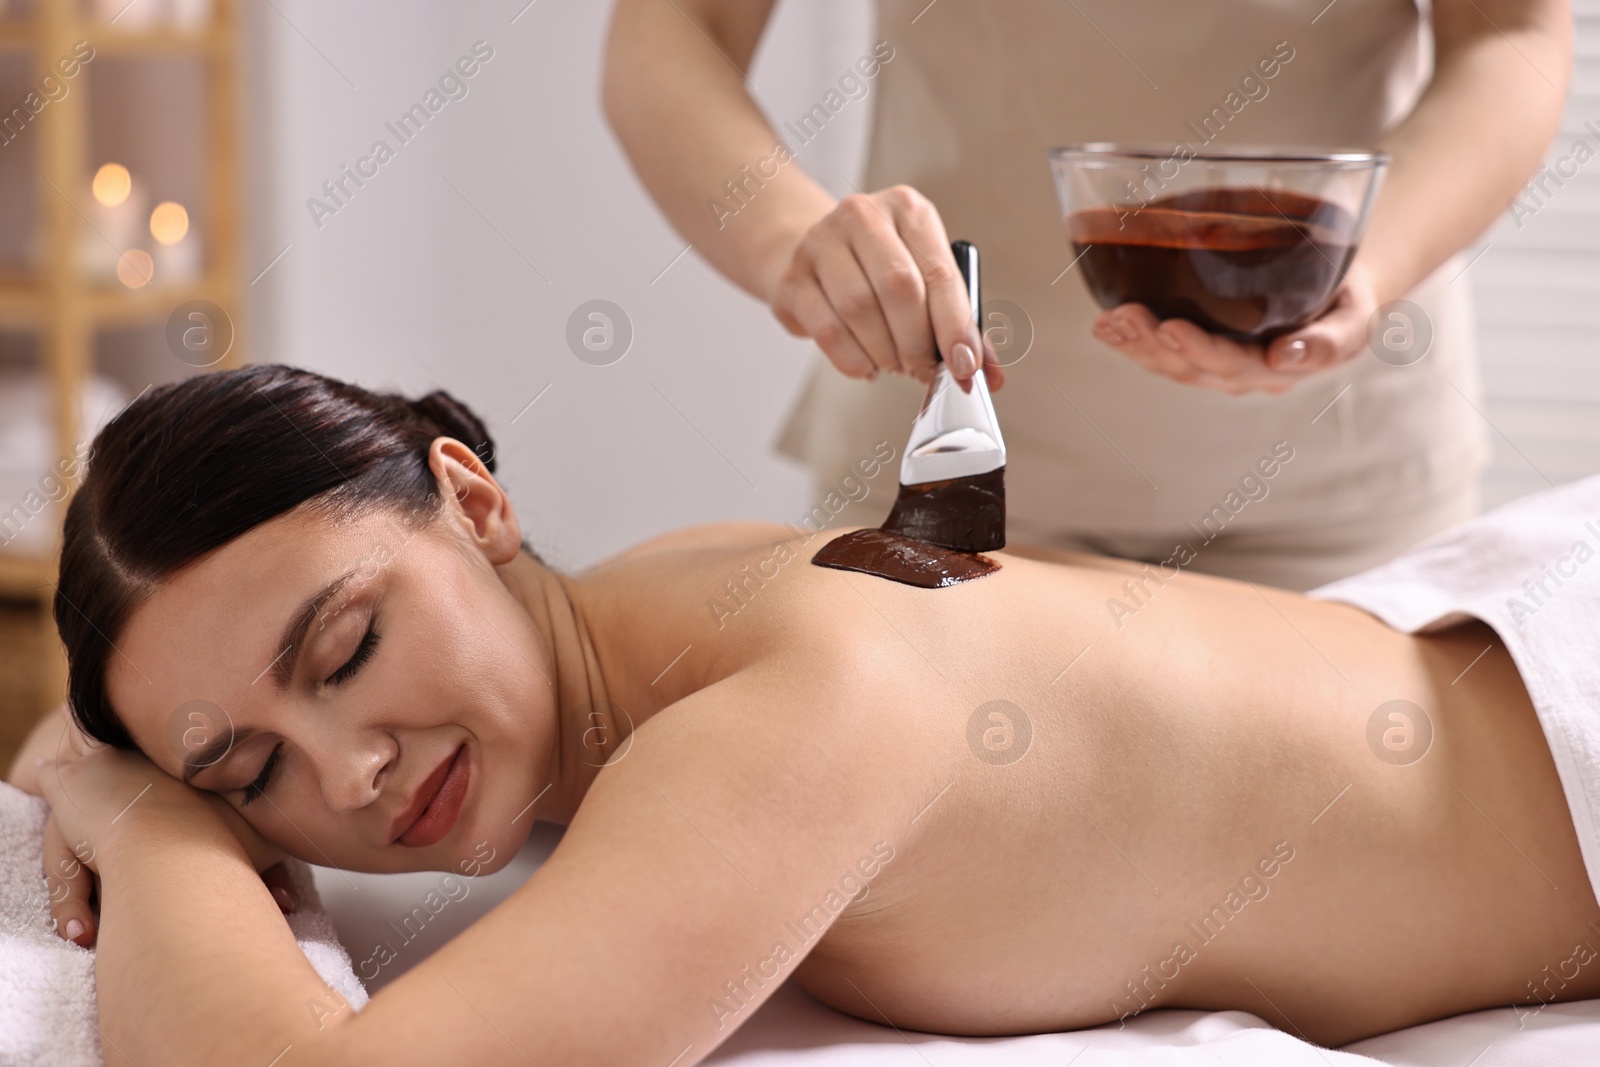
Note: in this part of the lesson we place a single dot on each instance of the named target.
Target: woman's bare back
(1148, 791)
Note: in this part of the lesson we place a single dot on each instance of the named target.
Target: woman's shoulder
(707, 535)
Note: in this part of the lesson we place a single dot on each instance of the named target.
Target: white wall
(430, 275)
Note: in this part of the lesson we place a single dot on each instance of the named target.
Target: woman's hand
(68, 883)
(90, 793)
(54, 735)
(875, 284)
(1184, 352)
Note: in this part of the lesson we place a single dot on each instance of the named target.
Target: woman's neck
(599, 646)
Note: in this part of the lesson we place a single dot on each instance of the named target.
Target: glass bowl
(1248, 243)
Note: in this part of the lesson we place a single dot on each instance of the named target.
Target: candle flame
(135, 268)
(169, 222)
(112, 184)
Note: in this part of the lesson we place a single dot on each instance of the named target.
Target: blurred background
(176, 195)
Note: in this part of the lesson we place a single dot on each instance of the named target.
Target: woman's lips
(440, 816)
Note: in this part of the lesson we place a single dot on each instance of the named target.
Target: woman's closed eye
(363, 653)
(259, 786)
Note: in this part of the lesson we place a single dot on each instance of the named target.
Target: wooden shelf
(153, 303)
(24, 303)
(54, 300)
(18, 33)
(27, 576)
(21, 303)
(158, 41)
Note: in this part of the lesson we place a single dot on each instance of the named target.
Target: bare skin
(767, 761)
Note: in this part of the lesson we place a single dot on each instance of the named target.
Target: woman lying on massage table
(985, 809)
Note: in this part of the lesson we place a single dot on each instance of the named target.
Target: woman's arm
(870, 278)
(1477, 133)
(195, 964)
(660, 923)
(69, 885)
(47, 738)
(183, 918)
(674, 92)
(1481, 128)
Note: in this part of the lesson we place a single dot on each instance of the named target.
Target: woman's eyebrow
(294, 634)
(282, 668)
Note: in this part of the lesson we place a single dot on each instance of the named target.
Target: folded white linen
(1531, 570)
(47, 1002)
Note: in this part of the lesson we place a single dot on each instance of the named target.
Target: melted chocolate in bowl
(911, 546)
(1244, 263)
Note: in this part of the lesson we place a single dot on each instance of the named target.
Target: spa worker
(1129, 436)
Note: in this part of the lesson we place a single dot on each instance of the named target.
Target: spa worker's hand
(1182, 351)
(91, 793)
(875, 285)
(870, 277)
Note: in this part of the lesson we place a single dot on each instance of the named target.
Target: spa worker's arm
(655, 929)
(870, 278)
(1476, 135)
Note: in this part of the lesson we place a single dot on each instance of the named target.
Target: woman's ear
(474, 500)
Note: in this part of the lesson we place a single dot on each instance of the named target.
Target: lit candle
(115, 218)
(177, 251)
(135, 268)
(112, 184)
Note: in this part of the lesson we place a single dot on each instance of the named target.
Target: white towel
(47, 1005)
(1531, 570)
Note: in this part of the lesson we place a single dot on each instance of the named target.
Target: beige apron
(974, 96)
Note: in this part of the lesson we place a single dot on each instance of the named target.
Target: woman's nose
(351, 779)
